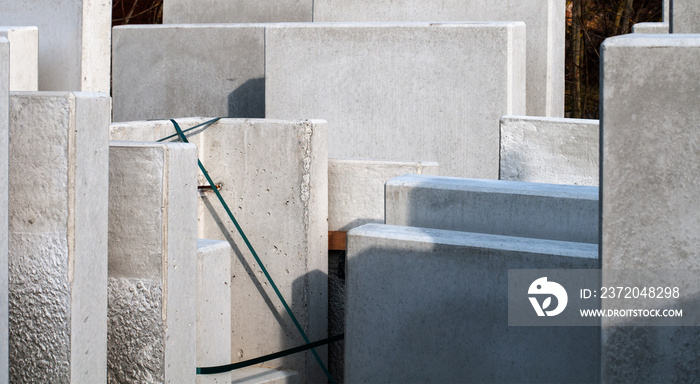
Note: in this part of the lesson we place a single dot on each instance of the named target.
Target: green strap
(204, 124)
(255, 255)
(262, 359)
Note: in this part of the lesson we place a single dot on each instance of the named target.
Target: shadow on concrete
(248, 100)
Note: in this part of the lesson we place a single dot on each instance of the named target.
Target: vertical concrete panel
(650, 186)
(57, 219)
(24, 57)
(236, 11)
(685, 16)
(4, 132)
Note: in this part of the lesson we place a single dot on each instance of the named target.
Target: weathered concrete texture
(58, 237)
(401, 91)
(166, 71)
(685, 16)
(650, 28)
(356, 189)
(499, 207)
(549, 150)
(152, 262)
(650, 186)
(75, 40)
(4, 131)
(24, 57)
(450, 324)
(236, 11)
(545, 20)
(255, 375)
(274, 177)
(213, 308)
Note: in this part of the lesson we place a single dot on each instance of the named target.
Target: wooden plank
(336, 240)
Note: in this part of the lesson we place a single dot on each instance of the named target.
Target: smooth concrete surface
(152, 262)
(236, 11)
(173, 71)
(4, 133)
(24, 57)
(685, 16)
(545, 21)
(431, 306)
(549, 150)
(401, 91)
(213, 308)
(274, 177)
(256, 375)
(650, 28)
(499, 207)
(356, 189)
(74, 44)
(58, 177)
(650, 186)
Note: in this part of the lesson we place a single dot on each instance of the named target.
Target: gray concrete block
(356, 189)
(549, 150)
(152, 262)
(4, 128)
(545, 22)
(58, 237)
(274, 176)
(256, 375)
(510, 208)
(685, 16)
(401, 91)
(430, 306)
(75, 40)
(650, 186)
(650, 28)
(236, 11)
(213, 308)
(24, 57)
(167, 71)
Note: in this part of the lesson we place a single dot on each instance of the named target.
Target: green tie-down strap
(181, 134)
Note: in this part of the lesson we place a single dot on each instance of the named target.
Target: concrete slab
(650, 185)
(356, 189)
(650, 28)
(450, 324)
(685, 16)
(274, 176)
(549, 150)
(75, 40)
(510, 208)
(545, 21)
(58, 181)
(256, 375)
(152, 262)
(171, 71)
(236, 11)
(4, 128)
(213, 308)
(401, 91)
(24, 57)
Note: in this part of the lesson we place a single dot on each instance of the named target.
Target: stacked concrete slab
(74, 44)
(213, 308)
(430, 306)
(274, 176)
(549, 150)
(401, 91)
(510, 208)
(152, 262)
(58, 237)
(4, 132)
(650, 186)
(24, 57)
(236, 11)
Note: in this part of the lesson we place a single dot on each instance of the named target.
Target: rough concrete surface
(213, 308)
(356, 189)
(650, 186)
(236, 11)
(24, 57)
(401, 91)
(430, 306)
(58, 237)
(74, 44)
(685, 16)
(152, 262)
(4, 133)
(499, 207)
(549, 150)
(274, 177)
(171, 71)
